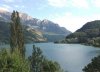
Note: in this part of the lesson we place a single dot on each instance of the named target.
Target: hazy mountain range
(36, 29)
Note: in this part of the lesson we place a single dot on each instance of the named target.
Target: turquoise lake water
(71, 57)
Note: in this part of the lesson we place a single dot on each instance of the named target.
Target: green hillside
(88, 34)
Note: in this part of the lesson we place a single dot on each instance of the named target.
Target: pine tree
(17, 37)
(36, 60)
(38, 63)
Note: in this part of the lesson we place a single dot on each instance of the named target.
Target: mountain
(30, 35)
(4, 32)
(42, 25)
(90, 25)
(47, 28)
(88, 34)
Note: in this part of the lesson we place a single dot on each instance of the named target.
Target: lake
(71, 57)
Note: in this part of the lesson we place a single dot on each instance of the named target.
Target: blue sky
(71, 14)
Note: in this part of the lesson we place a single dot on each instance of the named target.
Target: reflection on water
(72, 57)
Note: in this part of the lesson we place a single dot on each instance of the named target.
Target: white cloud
(19, 6)
(80, 3)
(3, 9)
(6, 6)
(57, 3)
(8, 1)
(96, 3)
(72, 22)
(23, 6)
(16, 6)
(41, 7)
(65, 3)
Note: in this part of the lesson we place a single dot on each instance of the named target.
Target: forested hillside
(88, 34)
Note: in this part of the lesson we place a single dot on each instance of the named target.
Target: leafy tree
(16, 34)
(20, 36)
(94, 66)
(13, 41)
(13, 62)
(50, 66)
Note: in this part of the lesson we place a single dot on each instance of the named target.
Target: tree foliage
(94, 66)
(13, 62)
(36, 60)
(40, 64)
(16, 34)
(50, 66)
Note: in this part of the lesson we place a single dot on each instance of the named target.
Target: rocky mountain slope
(46, 28)
(44, 25)
(30, 35)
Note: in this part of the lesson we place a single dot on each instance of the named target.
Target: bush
(12, 62)
(94, 66)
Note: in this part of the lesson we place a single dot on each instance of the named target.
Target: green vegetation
(40, 64)
(94, 66)
(54, 37)
(49, 66)
(36, 59)
(89, 34)
(13, 62)
(16, 32)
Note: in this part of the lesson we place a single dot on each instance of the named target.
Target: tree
(16, 34)
(13, 41)
(13, 62)
(20, 36)
(50, 66)
(94, 66)
(36, 60)
(40, 64)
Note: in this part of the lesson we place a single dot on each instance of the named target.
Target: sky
(71, 14)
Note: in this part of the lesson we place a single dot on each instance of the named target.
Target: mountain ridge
(88, 34)
(28, 20)
(45, 26)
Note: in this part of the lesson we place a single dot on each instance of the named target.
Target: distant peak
(3, 10)
(25, 16)
(45, 20)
